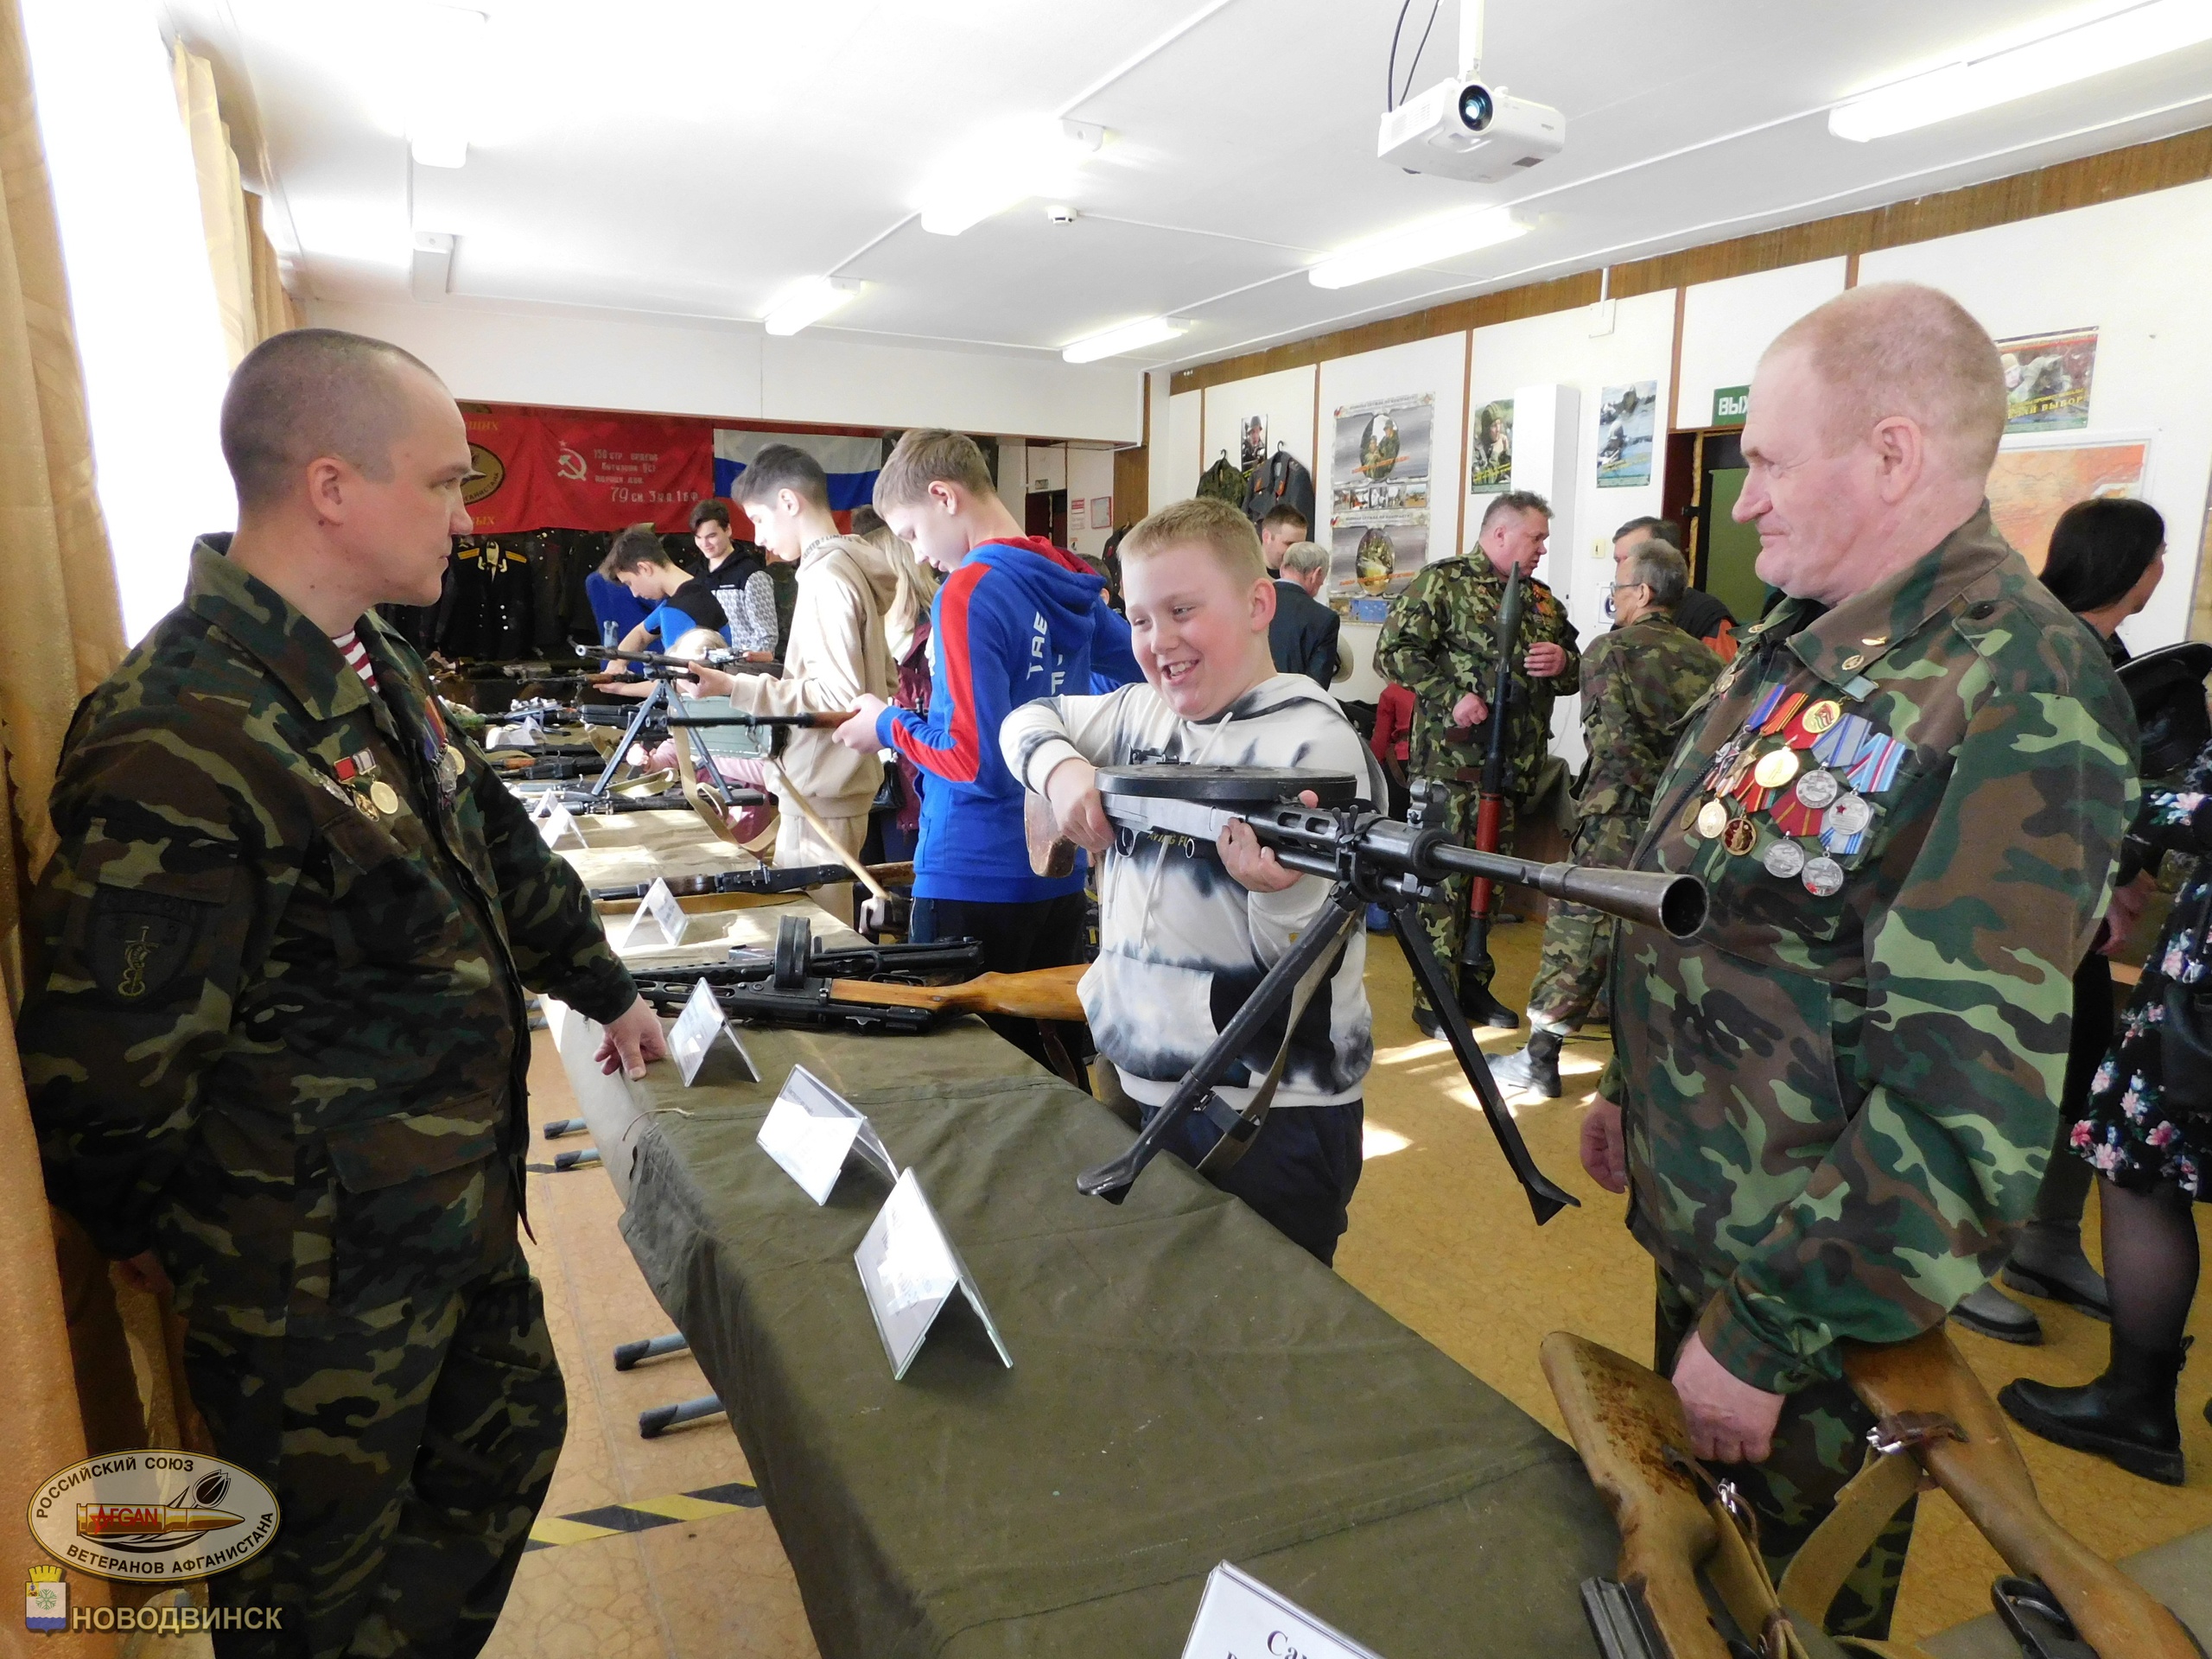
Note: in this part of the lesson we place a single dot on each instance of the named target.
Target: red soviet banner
(574, 469)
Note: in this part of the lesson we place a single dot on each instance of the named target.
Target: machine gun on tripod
(1369, 859)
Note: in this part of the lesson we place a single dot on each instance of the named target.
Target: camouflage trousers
(1578, 940)
(1445, 920)
(1819, 1445)
(410, 1448)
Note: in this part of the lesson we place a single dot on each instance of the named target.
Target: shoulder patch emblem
(140, 941)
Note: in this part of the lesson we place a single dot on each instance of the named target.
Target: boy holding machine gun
(1185, 935)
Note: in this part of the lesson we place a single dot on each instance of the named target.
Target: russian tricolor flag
(851, 463)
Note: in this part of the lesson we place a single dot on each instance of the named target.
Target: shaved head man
(1905, 797)
(276, 1042)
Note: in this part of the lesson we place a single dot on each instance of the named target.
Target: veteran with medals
(1832, 1108)
(274, 1034)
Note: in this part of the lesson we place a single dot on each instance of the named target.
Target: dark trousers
(1819, 1445)
(1298, 1173)
(1040, 933)
(410, 1452)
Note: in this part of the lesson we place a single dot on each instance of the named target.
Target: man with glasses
(1637, 684)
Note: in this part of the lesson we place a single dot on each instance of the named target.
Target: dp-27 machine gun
(1371, 860)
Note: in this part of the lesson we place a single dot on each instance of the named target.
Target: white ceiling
(694, 157)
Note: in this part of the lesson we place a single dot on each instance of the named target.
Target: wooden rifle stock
(1042, 994)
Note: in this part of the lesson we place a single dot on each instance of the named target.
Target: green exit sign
(1730, 403)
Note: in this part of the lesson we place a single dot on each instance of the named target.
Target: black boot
(2048, 1262)
(1534, 1070)
(1483, 1009)
(2126, 1416)
(1989, 1311)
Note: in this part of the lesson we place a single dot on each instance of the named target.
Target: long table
(1187, 1386)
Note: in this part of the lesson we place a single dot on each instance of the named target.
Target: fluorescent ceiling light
(1035, 155)
(2003, 74)
(809, 301)
(1129, 337)
(447, 49)
(1420, 245)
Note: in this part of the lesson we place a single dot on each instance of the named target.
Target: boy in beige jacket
(837, 655)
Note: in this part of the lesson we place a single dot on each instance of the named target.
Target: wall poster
(1378, 505)
(1490, 467)
(2047, 380)
(1626, 417)
(1251, 442)
(2030, 488)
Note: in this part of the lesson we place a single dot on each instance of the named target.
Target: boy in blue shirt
(1017, 619)
(677, 601)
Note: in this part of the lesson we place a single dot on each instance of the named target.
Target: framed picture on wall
(2047, 380)
(1627, 416)
(1101, 509)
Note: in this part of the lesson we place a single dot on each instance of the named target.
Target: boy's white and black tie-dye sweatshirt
(1181, 942)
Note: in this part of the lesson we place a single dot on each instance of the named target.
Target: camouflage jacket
(275, 1028)
(1440, 641)
(1837, 1106)
(1638, 683)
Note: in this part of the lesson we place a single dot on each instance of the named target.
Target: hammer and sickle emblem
(570, 466)
(135, 952)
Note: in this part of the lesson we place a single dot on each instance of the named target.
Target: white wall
(1160, 486)
(1284, 400)
(1176, 463)
(1090, 478)
(1726, 324)
(2133, 269)
(1559, 348)
(1437, 366)
(732, 370)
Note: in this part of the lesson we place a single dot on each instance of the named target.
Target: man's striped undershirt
(357, 656)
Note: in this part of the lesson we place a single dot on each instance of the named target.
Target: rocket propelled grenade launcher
(1370, 859)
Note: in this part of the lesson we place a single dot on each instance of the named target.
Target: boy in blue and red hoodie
(1017, 619)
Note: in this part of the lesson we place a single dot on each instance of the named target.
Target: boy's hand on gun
(1081, 816)
(1254, 867)
(859, 733)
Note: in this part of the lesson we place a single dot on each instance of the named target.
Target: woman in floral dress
(2148, 1132)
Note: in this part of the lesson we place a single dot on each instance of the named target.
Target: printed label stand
(1239, 1616)
(911, 1271)
(812, 1131)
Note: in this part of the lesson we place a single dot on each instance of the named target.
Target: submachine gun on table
(1369, 859)
(881, 989)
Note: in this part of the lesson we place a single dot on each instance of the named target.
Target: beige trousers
(796, 843)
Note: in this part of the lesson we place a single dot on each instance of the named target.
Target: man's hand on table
(858, 734)
(634, 1038)
(1729, 1421)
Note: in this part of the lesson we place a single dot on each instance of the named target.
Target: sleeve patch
(141, 940)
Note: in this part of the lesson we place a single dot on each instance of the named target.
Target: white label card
(811, 1131)
(664, 910)
(910, 1270)
(1239, 1617)
(558, 823)
(692, 1039)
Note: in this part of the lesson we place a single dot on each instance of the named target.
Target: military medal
(1822, 715)
(1818, 789)
(365, 806)
(1849, 816)
(1839, 745)
(1822, 877)
(1784, 859)
(455, 761)
(1793, 817)
(1875, 766)
(355, 765)
(1690, 816)
(1775, 767)
(386, 796)
(1782, 715)
(1740, 836)
(1712, 818)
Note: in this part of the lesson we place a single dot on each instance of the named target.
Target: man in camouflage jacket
(1906, 797)
(1639, 683)
(274, 1037)
(1440, 641)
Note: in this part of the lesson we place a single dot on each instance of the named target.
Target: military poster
(2047, 380)
(2029, 488)
(1627, 416)
(1252, 441)
(1378, 499)
(1489, 466)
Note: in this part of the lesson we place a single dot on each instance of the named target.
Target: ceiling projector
(1464, 128)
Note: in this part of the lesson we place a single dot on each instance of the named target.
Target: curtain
(60, 633)
(249, 291)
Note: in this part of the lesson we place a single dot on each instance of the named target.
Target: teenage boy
(676, 603)
(1284, 528)
(837, 656)
(738, 576)
(1016, 619)
(1186, 933)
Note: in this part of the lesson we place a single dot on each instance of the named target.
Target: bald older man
(274, 1034)
(1832, 1108)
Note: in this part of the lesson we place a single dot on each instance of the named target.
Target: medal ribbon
(1778, 718)
(1876, 766)
(1840, 739)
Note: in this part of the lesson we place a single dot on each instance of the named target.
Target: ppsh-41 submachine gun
(1369, 859)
